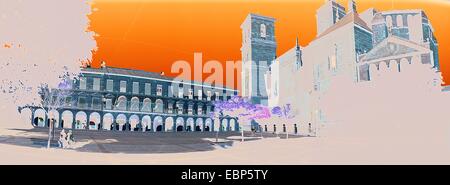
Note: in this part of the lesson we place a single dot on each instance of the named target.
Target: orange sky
(150, 35)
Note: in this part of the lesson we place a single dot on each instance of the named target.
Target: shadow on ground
(134, 142)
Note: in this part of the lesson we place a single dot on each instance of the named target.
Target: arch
(158, 124)
(159, 106)
(53, 115)
(94, 121)
(134, 104)
(121, 103)
(199, 124)
(393, 66)
(25, 115)
(190, 124)
(81, 120)
(146, 123)
(208, 125)
(400, 21)
(67, 119)
(389, 21)
(383, 67)
(121, 120)
(39, 118)
(233, 125)
(146, 105)
(169, 124)
(224, 125)
(134, 121)
(108, 120)
(404, 64)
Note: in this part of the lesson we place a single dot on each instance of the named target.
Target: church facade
(351, 46)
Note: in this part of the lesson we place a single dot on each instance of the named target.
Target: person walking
(70, 140)
(62, 138)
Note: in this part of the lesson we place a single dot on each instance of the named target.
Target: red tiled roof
(349, 18)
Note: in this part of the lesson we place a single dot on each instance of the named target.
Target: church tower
(328, 15)
(258, 52)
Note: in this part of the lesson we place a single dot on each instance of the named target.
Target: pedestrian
(62, 138)
(310, 129)
(70, 139)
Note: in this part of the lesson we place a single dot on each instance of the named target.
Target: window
(170, 93)
(208, 109)
(180, 92)
(159, 106)
(200, 110)
(170, 108)
(68, 101)
(83, 83)
(123, 86)
(190, 109)
(148, 89)
(121, 103)
(108, 104)
(134, 106)
(191, 94)
(159, 90)
(82, 102)
(333, 64)
(217, 95)
(135, 87)
(109, 85)
(263, 30)
(96, 84)
(200, 94)
(146, 105)
(208, 95)
(276, 89)
(180, 107)
(96, 104)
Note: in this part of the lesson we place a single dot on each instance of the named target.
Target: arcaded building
(120, 99)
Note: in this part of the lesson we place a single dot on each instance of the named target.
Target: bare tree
(52, 99)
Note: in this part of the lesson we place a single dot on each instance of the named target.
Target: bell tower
(258, 51)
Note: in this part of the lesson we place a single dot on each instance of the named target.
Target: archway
(158, 124)
(190, 124)
(25, 115)
(224, 125)
(108, 119)
(121, 103)
(134, 104)
(146, 105)
(94, 121)
(39, 118)
(180, 124)
(134, 121)
(233, 125)
(159, 106)
(208, 125)
(169, 124)
(146, 123)
(67, 119)
(199, 125)
(121, 120)
(53, 116)
(80, 120)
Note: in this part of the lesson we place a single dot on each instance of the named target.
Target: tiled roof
(349, 18)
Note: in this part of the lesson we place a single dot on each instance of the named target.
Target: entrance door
(180, 128)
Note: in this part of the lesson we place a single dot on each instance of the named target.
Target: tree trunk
(217, 136)
(49, 133)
